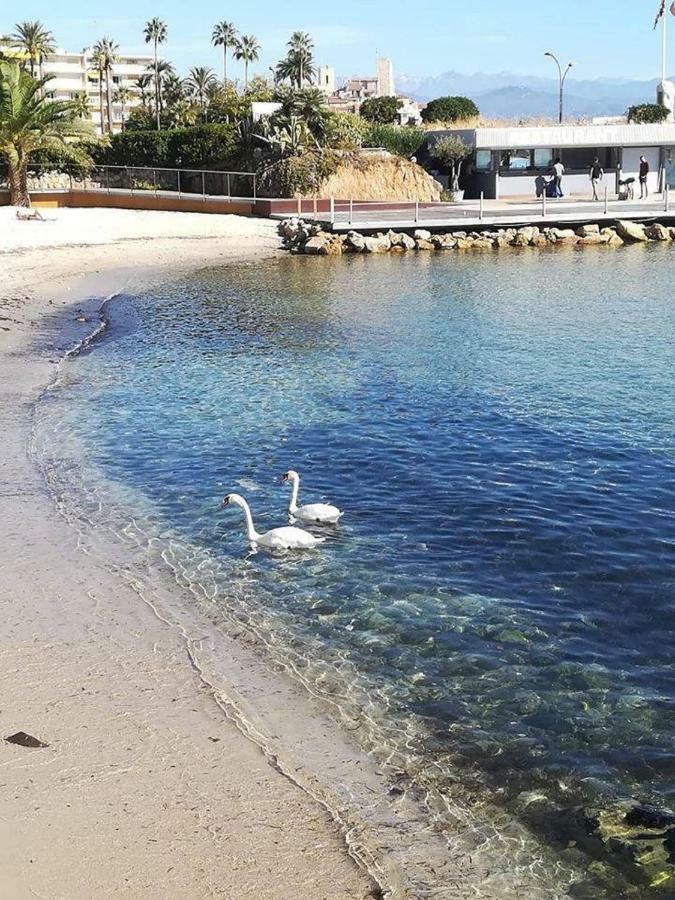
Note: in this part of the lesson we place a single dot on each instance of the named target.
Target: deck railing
(157, 180)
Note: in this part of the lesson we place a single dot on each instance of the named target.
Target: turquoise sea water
(500, 434)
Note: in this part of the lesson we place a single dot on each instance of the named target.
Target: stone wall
(309, 238)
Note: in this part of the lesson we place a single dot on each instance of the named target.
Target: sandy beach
(148, 787)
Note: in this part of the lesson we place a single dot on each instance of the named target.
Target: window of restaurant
(520, 160)
(543, 158)
(515, 160)
(581, 158)
(483, 160)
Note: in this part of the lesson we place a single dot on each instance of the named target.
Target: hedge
(403, 140)
(201, 147)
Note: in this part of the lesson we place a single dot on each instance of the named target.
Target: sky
(605, 38)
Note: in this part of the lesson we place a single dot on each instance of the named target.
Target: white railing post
(606, 200)
(543, 203)
(351, 210)
(666, 202)
(332, 210)
(179, 192)
(480, 212)
(417, 212)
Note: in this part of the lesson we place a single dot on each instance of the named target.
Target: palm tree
(301, 53)
(106, 53)
(29, 122)
(123, 95)
(247, 49)
(81, 104)
(155, 32)
(172, 89)
(163, 73)
(225, 36)
(143, 82)
(199, 81)
(298, 65)
(34, 38)
(97, 64)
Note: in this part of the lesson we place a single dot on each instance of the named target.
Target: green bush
(345, 131)
(647, 113)
(381, 110)
(297, 175)
(201, 147)
(401, 140)
(450, 109)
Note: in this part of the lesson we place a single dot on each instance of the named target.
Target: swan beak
(284, 478)
(226, 502)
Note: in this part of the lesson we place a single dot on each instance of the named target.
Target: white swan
(318, 513)
(287, 538)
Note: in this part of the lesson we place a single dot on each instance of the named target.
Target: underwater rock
(649, 817)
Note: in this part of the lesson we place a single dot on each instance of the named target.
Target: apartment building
(72, 74)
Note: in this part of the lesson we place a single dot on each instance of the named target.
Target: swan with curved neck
(313, 513)
(287, 538)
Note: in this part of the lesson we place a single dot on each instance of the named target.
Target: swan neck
(294, 494)
(251, 533)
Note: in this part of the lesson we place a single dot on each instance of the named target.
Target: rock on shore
(300, 236)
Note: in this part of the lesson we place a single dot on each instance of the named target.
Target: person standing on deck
(596, 174)
(644, 172)
(558, 172)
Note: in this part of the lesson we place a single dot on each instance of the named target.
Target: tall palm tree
(97, 64)
(143, 82)
(163, 72)
(298, 65)
(34, 38)
(105, 51)
(225, 36)
(199, 81)
(248, 50)
(123, 95)
(29, 122)
(155, 33)
(301, 49)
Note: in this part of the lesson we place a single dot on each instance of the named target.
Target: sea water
(499, 431)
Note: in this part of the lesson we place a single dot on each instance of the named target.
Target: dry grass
(380, 178)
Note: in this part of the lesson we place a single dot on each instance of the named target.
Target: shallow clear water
(500, 433)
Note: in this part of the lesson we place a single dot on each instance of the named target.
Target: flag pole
(664, 49)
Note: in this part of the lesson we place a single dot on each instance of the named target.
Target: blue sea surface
(499, 431)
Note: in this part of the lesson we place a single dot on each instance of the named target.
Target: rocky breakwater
(300, 236)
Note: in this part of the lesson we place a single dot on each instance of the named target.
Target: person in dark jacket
(596, 174)
(644, 172)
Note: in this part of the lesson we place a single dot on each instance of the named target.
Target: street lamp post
(563, 76)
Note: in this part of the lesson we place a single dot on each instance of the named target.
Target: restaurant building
(513, 161)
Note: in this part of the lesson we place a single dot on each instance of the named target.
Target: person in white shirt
(558, 172)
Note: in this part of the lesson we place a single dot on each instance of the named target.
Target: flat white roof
(575, 136)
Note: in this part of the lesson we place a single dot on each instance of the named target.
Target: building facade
(355, 90)
(517, 161)
(72, 75)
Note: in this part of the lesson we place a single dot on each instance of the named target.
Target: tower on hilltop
(385, 78)
(327, 79)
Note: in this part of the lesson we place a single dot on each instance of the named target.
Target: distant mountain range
(506, 95)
